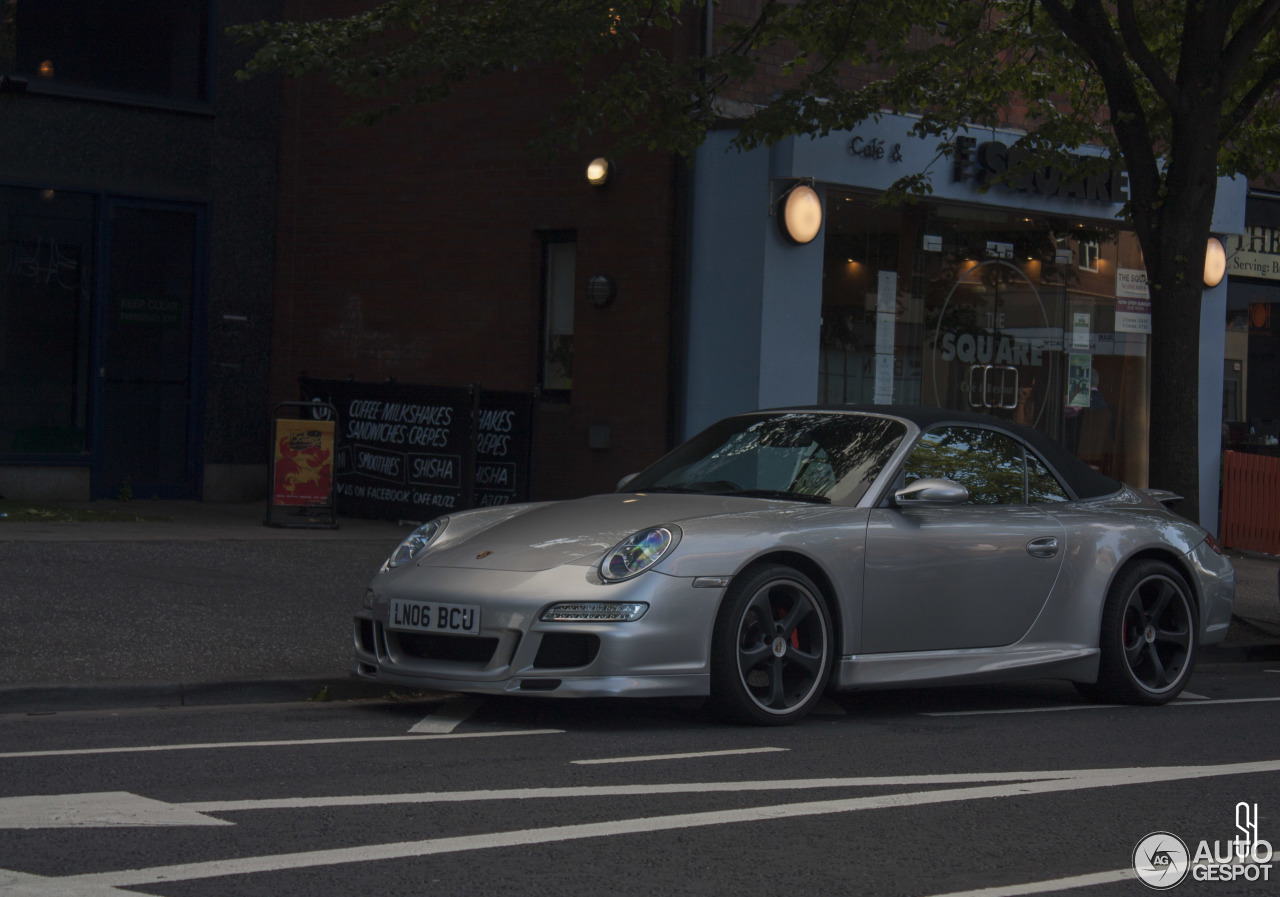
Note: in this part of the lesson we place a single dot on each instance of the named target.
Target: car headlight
(416, 543)
(638, 552)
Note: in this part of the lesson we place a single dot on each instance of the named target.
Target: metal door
(956, 577)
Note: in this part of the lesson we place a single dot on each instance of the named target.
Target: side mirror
(622, 483)
(932, 492)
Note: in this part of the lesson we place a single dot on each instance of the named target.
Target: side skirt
(926, 668)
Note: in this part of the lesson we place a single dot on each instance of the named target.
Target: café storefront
(1036, 319)
(1251, 379)
(1027, 301)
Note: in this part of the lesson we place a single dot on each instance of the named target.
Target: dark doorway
(147, 414)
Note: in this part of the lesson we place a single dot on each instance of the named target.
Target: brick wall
(410, 249)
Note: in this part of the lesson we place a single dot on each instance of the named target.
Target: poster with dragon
(303, 463)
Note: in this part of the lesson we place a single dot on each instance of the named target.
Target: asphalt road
(1023, 788)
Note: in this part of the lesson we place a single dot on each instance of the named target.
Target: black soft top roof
(1082, 479)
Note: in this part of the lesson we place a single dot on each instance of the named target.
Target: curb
(38, 699)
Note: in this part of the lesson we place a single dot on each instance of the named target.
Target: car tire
(771, 648)
(1148, 639)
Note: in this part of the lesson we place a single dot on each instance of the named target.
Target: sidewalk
(1255, 624)
(212, 606)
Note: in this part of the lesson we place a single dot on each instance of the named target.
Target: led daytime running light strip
(594, 613)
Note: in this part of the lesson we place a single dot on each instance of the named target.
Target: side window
(1042, 486)
(559, 259)
(989, 464)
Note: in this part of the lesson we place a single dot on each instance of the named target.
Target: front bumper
(664, 653)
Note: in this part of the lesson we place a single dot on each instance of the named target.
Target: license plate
(418, 616)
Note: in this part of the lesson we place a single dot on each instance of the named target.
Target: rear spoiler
(1164, 496)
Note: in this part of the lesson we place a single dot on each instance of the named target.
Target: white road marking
(1106, 778)
(121, 808)
(447, 716)
(1047, 887)
(301, 742)
(364, 800)
(686, 756)
(21, 884)
(1197, 702)
(106, 809)
(1192, 696)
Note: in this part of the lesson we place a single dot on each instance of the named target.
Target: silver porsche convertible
(780, 554)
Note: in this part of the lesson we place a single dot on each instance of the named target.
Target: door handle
(1043, 548)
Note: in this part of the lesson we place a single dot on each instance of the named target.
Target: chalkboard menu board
(409, 452)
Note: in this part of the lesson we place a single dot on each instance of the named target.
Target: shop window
(559, 262)
(918, 310)
(870, 324)
(149, 48)
(46, 263)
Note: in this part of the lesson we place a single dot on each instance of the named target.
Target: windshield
(801, 456)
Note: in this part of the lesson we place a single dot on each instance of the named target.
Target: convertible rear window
(803, 456)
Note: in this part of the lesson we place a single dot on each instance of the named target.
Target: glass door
(994, 338)
(149, 420)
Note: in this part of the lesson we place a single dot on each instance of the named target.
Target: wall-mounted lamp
(601, 290)
(800, 213)
(600, 172)
(1215, 262)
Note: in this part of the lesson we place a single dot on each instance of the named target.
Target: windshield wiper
(779, 493)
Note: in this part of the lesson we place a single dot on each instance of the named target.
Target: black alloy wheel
(772, 647)
(1148, 638)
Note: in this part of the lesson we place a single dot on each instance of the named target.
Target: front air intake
(566, 650)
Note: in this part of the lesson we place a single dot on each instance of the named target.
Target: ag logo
(1161, 861)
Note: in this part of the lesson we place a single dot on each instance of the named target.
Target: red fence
(1251, 502)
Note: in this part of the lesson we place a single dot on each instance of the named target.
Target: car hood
(556, 533)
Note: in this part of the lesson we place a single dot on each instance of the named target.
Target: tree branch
(1239, 49)
(1243, 109)
(1142, 55)
(1087, 26)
